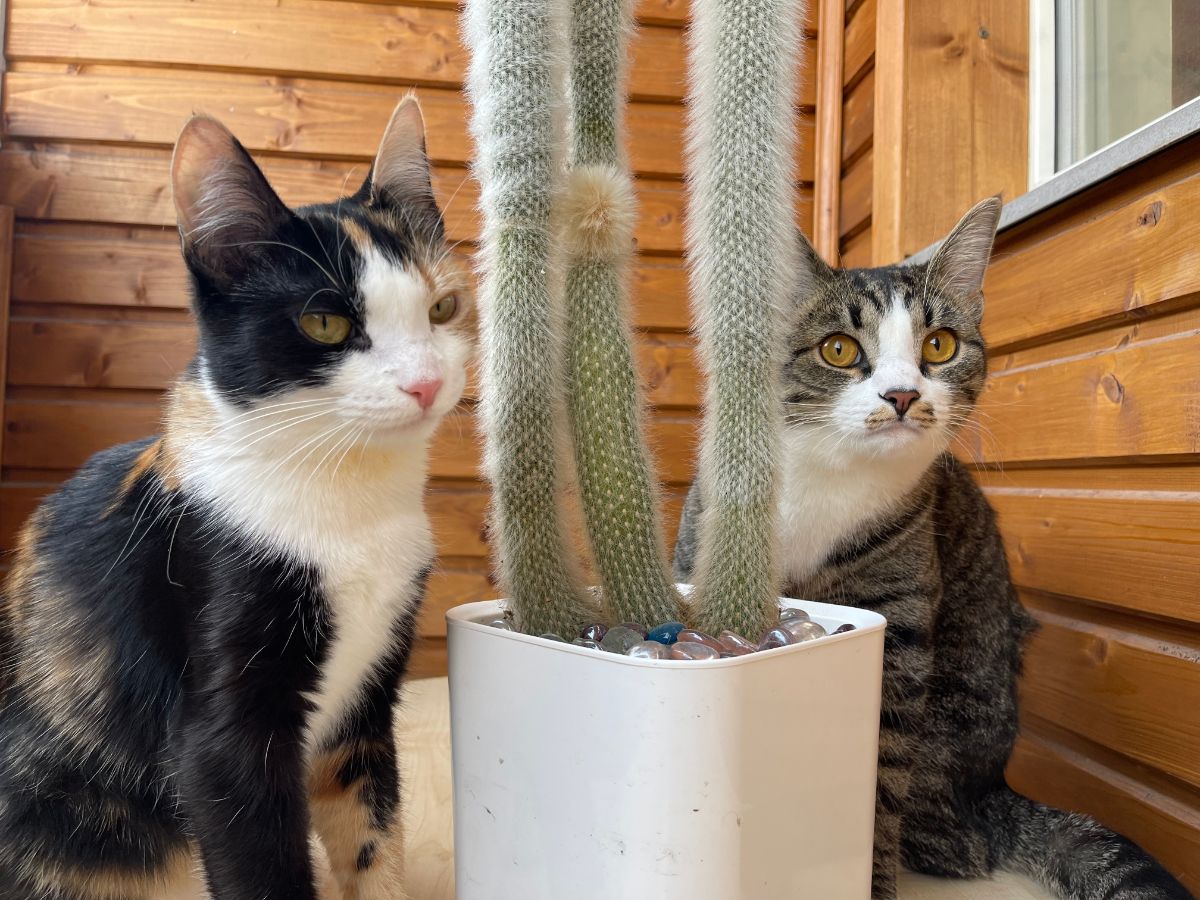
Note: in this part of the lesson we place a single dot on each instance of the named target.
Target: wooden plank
(6, 264)
(400, 44)
(70, 265)
(270, 113)
(860, 42)
(61, 433)
(1135, 401)
(150, 355)
(1131, 687)
(858, 117)
(888, 140)
(828, 166)
(1132, 549)
(428, 658)
(856, 251)
(1157, 235)
(856, 193)
(1162, 818)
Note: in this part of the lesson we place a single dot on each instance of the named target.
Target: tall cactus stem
(617, 483)
(740, 252)
(516, 81)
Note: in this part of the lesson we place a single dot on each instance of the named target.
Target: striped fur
(877, 514)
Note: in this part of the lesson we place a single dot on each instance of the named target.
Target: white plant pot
(582, 775)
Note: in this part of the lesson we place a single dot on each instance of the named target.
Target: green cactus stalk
(617, 484)
(516, 81)
(740, 254)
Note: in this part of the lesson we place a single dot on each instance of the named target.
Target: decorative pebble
(634, 626)
(584, 642)
(594, 632)
(693, 650)
(792, 612)
(620, 639)
(699, 637)
(776, 637)
(501, 623)
(842, 629)
(649, 650)
(551, 636)
(666, 633)
(803, 629)
(734, 644)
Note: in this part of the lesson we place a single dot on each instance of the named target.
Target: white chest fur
(360, 525)
(823, 503)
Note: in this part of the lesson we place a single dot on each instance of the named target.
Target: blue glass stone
(666, 633)
(619, 639)
(634, 626)
(584, 642)
(842, 629)
(551, 636)
(648, 650)
(692, 650)
(594, 632)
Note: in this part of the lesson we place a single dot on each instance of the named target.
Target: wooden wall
(1088, 442)
(93, 97)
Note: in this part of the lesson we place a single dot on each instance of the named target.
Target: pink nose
(424, 391)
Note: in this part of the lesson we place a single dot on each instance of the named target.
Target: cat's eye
(325, 328)
(940, 346)
(443, 311)
(841, 350)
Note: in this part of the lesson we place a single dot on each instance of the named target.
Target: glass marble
(776, 637)
(551, 636)
(584, 642)
(734, 644)
(699, 637)
(666, 633)
(634, 626)
(649, 650)
(791, 612)
(693, 650)
(501, 623)
(594, 632)
(619, 639)
(803, 629)
(842, 629)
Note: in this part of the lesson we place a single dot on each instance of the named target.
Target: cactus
(617, 484)
(740, 252)
(515, 80)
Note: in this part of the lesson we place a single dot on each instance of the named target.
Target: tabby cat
(884, 367)
(203, 632)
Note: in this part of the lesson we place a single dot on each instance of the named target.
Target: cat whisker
(303, 253)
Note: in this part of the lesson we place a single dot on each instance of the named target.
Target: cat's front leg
(907, 662)
(355, 787)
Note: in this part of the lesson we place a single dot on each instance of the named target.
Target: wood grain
(860, 42)
(6, 265)
(828, 165)
(856, 197)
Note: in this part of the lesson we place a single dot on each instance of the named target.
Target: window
(1102, 69)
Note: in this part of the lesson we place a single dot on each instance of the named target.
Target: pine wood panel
(1117, 681)
(6, 254)
(860, 42)
(856, 193)
(858, 117)
(1159, 262)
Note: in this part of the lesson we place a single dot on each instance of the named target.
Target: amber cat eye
(325, 328)
(443, 311)
(940, 346)
(841, 350)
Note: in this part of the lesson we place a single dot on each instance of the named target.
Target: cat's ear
(223, 203)
(811, 270)
(957, 268)
(401, 173)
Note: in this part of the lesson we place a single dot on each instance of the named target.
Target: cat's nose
(424, 391)
(900, 399)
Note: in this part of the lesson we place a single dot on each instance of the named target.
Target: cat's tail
(1072, 855)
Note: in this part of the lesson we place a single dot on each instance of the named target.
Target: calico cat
(203, 632)
(883, 367)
